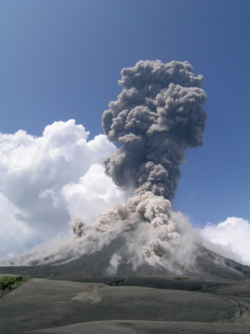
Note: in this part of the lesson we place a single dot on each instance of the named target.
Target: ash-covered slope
(207, 266)
(215, 266)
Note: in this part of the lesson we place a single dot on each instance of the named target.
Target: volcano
(80, 297)
(206, 266)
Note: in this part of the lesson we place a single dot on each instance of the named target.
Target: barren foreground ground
(135, 304)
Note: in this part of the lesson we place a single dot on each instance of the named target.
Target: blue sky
(61, 60)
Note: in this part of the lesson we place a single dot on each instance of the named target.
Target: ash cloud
(157, 117)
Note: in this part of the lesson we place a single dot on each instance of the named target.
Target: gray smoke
(157, 117)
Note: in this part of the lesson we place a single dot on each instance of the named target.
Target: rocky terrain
(78, 297)
(136, 304)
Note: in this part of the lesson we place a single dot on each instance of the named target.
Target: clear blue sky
(62, 59)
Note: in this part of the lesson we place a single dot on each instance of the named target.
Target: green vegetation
(11, 281)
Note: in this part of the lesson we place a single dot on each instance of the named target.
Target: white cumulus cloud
(230, 238)
(93, 193)
(44, 181)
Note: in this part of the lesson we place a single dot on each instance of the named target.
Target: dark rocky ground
(137, 304)
(77, 297)
(145, 327)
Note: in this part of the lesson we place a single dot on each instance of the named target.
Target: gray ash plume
(157, 117)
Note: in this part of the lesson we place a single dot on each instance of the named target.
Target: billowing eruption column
(157, 117)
